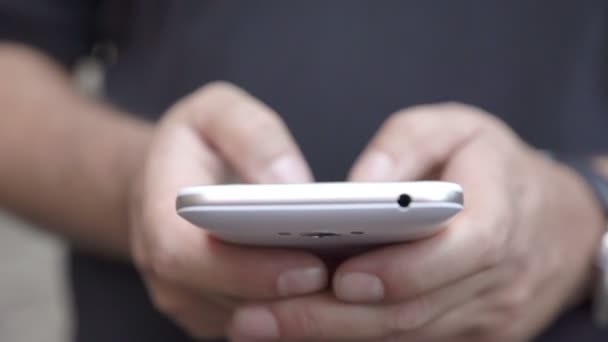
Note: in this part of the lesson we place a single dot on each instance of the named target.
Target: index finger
(247, 134)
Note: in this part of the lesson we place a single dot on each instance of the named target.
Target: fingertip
(358, 287)
(300, 281)
(297, 273)
(363, 278)
(263, 273)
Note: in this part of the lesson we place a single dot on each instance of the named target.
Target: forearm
(66, 161)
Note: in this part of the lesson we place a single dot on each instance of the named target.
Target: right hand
(194, 279)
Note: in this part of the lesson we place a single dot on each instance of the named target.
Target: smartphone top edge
(322, 185)
(319, 193)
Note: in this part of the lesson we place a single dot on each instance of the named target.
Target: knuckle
(427, 117)
(218, 92)
(260, 132)
(419, 116)
(398, 119)
(413, 125)
(207, 99)
(477, 119)
(465, 111)
(218, 88)
(439, 110)
(461, 108)
(254, 118)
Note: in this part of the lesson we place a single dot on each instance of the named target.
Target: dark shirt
(334, 70)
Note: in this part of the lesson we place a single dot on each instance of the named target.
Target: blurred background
(33, 293)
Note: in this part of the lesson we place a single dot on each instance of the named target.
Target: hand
(517, 255)
(194, 279)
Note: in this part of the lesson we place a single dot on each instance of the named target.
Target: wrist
(133, 163)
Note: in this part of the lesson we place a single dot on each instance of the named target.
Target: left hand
(503, 269)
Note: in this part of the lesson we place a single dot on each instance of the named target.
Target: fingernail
(374, 166)
(287, 169)
(254, 323)
(359, 287)
(301, 281)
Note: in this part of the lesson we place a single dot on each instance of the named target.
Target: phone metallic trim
(321, 216)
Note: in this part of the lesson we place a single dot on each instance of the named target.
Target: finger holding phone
(192, 278)
(518, 254)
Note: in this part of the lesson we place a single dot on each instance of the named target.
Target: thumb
(415, 142)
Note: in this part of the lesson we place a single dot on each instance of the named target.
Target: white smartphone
(321, 215)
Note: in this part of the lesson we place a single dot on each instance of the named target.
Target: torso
(335, 70)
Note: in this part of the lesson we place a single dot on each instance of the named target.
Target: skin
(66, 159)
(194, 279)
(107, 183)
(518, 255)
(116, 197)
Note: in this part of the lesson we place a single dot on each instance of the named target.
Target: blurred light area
(89, 72)
(89, 76)
(33, 291)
